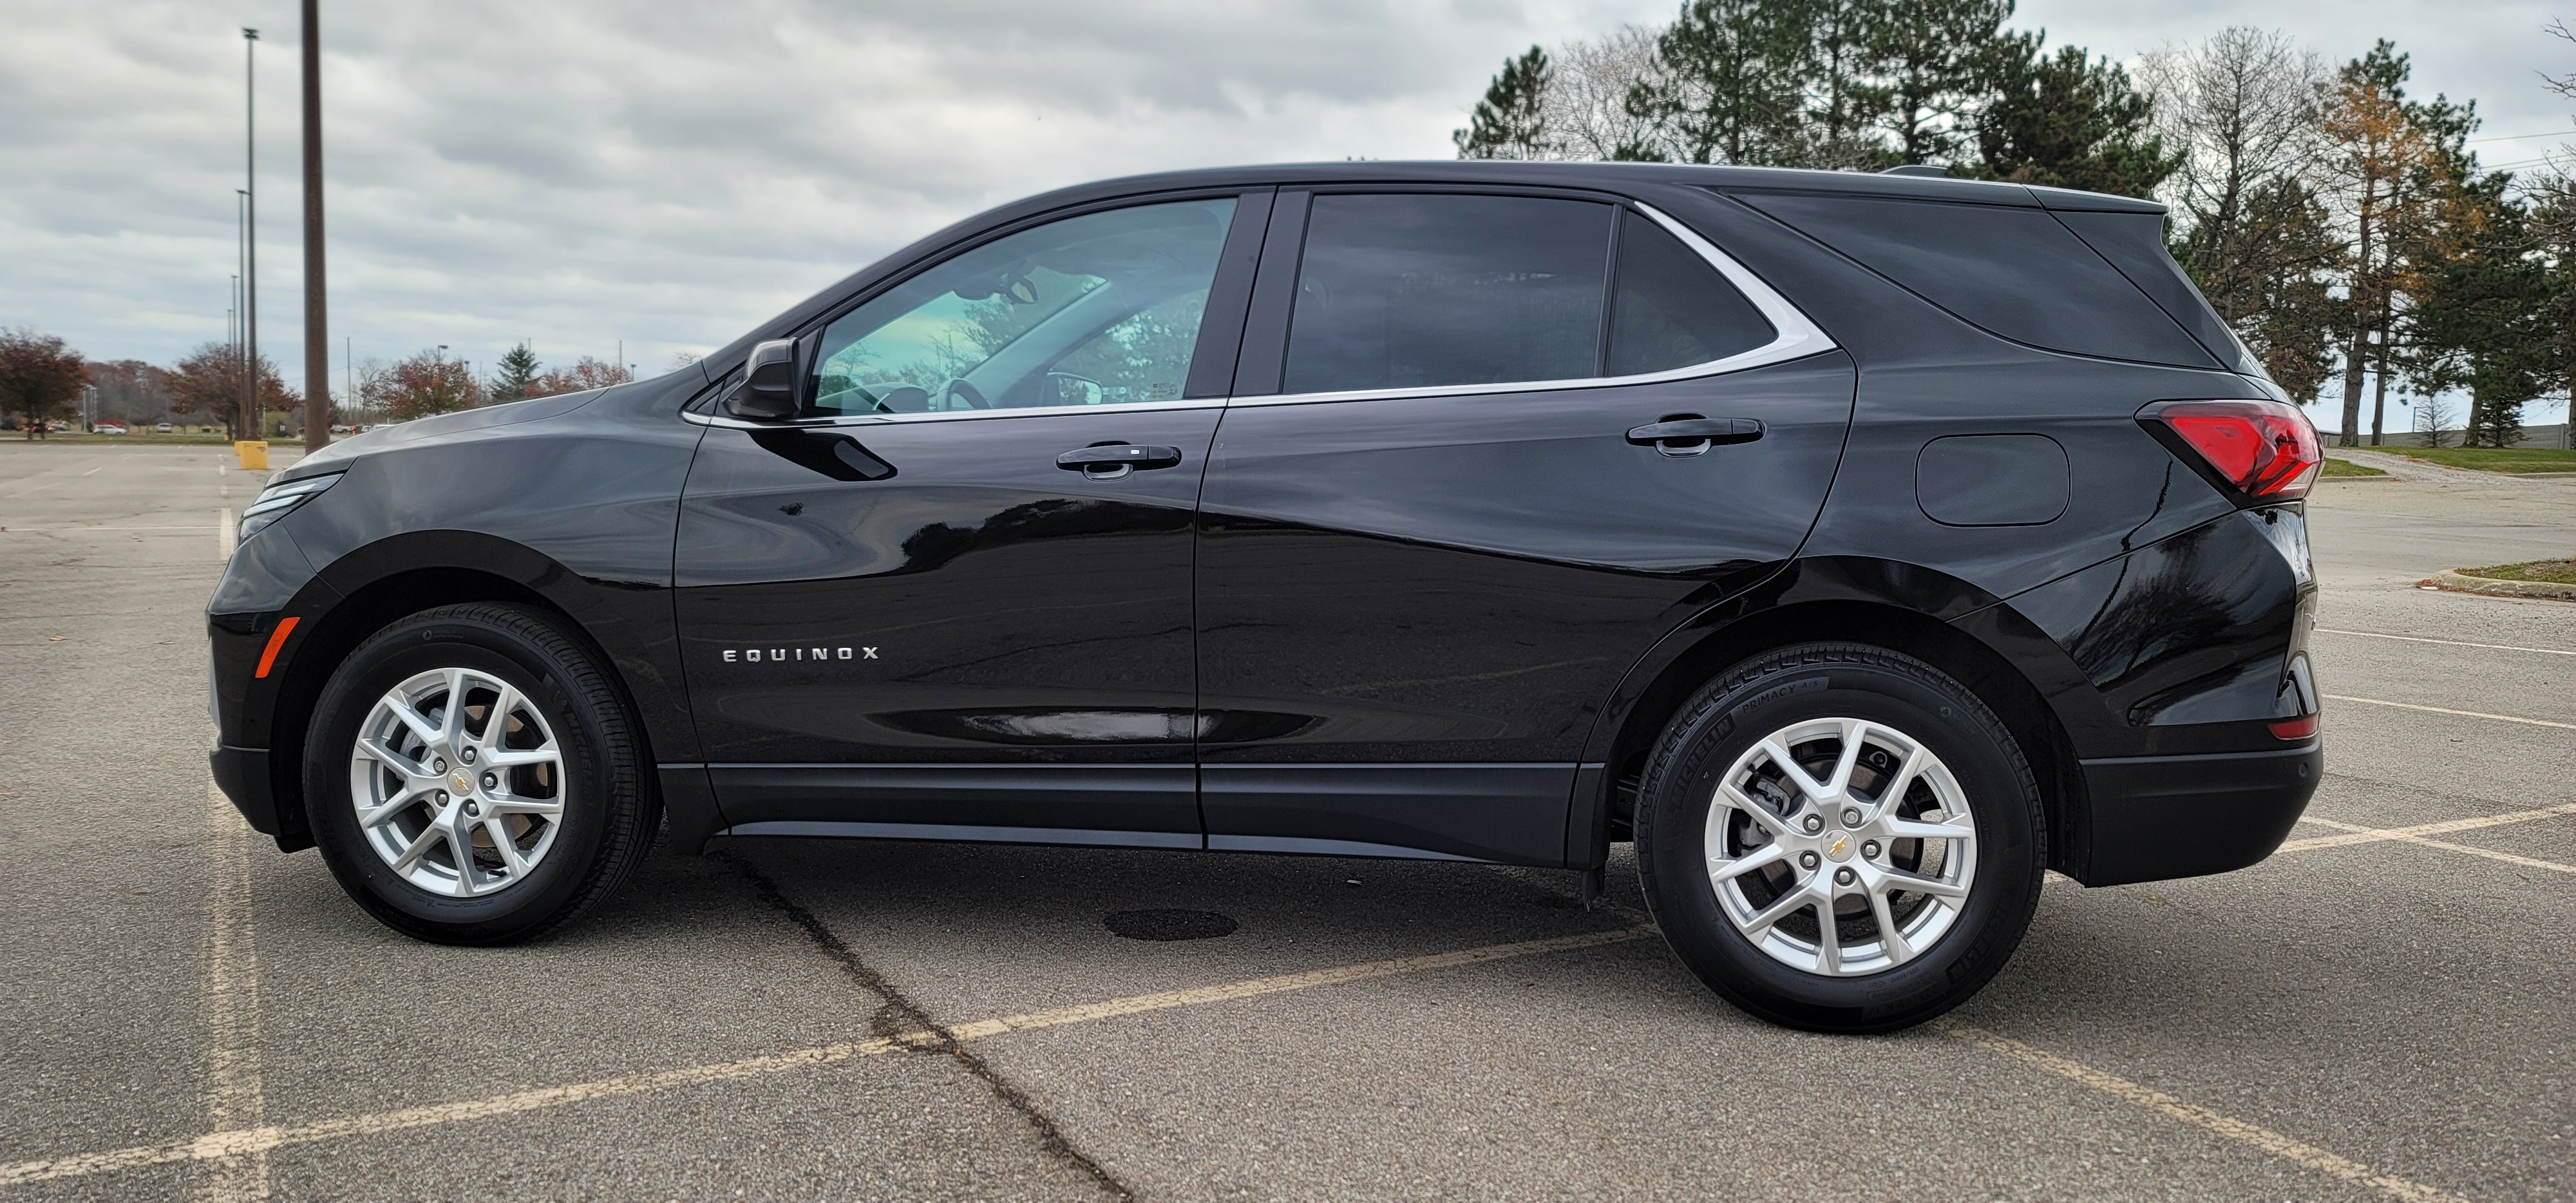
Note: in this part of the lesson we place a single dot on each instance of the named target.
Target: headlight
(275, 500)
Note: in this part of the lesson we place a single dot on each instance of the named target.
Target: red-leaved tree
(209, 382)
(588, 374)
(39, 377)
(425, 384)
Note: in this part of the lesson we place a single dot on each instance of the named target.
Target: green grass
(2336, 467)
(2561, 572)
(2485, 459)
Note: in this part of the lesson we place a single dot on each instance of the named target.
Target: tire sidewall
(1903, 694)
(395, 655)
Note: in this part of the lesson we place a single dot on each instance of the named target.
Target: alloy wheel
(458, 782)
(1841, 846)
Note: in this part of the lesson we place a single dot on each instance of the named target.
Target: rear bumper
(2158, 817)
(242, 773)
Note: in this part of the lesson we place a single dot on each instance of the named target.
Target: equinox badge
(755, 655)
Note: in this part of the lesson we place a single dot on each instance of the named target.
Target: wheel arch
(1903, 607)
(391, 579)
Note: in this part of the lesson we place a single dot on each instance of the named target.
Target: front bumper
(2158, 817)
(242, 773)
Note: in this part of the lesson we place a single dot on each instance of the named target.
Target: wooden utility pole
(317, 333)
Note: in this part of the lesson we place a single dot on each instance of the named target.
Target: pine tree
(2067, 120)
(1510, 122)
(517, 367)
(1730, 83)
(1929, 59)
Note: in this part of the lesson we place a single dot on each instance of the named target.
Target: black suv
(1859, 546)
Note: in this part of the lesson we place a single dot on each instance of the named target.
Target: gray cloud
(582, 171)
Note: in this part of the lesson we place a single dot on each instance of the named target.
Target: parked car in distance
(163, 428)
(1860, 547)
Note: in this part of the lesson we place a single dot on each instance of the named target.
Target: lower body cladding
(1516, 814)
(2159, 817)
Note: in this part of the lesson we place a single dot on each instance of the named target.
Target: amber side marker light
(2265, 450)
(276, 640)
(2295, 729)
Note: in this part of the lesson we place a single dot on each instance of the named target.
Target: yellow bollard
(253, 453)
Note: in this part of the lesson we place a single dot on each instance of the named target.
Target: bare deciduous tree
(1587, 102)
(2242, 109)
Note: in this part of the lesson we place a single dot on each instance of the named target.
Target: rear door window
(1429, 289)
(1672, 309)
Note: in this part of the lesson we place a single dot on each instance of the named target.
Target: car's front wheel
(1840, 837)
(473, 778)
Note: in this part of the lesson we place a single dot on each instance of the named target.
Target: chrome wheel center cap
(460, 783)
(1839, 846)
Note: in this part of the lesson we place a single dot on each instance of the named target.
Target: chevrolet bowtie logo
(463, 786)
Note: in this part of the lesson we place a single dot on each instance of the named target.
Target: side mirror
(768, 392)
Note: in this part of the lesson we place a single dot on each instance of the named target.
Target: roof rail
(1926, 169)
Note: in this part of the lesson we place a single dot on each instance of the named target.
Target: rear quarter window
(2012, 272)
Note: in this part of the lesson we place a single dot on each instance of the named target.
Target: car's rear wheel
(1840, 837)
(472, 776)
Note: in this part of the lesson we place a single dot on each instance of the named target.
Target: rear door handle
(1687, 435)
(1113, 460)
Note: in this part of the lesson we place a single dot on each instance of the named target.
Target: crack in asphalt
(903, 1021)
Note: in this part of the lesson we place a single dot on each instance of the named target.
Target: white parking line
(233, 1098)
(237, 1142)
(224, 536)
(2366, 835)
(2278, 1145)
(2502, 718)
(2499, 647)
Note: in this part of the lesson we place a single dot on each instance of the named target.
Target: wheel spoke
(1840, 784)
(1908, 829)
(496, 717)
(511, 804)
(377, 816)
(503, 843)
(1898, 879)
(411, 853)
(1898, 950)
(510, 758)
(1894, 791)
(1829, 938)
(384, 754)
(1788, 904)
(429, 732)
(1722, 870)
(455, 724)
(1761, 815)
(1795, 773)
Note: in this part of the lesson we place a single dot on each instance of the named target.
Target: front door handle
(1109, 461)
(1690, 434)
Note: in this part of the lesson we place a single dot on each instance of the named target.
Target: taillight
(2266, 450)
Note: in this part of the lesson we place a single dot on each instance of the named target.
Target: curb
(2463, 583)
(2352, 480)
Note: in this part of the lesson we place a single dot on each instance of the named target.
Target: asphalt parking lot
(2386, 1008)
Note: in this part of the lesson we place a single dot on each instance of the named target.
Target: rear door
(1484, 449)
(914, 610)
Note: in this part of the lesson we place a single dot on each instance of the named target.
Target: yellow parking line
(2505, 718)
(2365, 835)
(238, 1142)
(2369, 835)
(2274, 1143)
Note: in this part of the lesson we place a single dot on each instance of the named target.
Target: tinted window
(2015, 272)
(1406, 291)
(1672, 309)
(1092, 310)
(2135, 243)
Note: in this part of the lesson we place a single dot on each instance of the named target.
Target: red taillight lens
(2265, 448)
(2294, 729)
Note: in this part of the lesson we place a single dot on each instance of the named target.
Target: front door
(1487, 451)
(952, 599)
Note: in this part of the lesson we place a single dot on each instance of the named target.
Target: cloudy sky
(581, 173)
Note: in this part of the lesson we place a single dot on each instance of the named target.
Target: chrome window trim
(1796, 338)
(955, 415)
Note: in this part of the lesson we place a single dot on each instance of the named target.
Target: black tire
(1810, 681)
(610, 812)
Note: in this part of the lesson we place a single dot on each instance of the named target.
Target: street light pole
(317, 335)
(250, 240)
